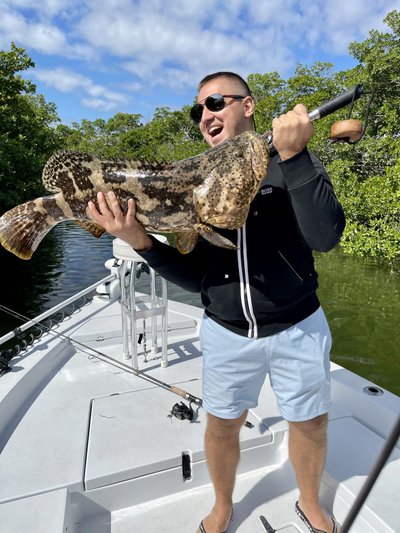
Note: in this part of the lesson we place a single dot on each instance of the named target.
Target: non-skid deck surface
(89, 431)
(139, 427)
(182, 513)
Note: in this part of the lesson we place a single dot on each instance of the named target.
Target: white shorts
(296, 359)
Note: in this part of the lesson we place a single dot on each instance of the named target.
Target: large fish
(188, 198)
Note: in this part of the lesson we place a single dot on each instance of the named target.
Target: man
(261, 309)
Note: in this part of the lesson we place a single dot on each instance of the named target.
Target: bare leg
(223, 454)
(307, 452)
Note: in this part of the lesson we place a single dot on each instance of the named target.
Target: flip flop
(308, 523)
(203, 529)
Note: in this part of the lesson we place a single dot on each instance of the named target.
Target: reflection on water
(359, 296)
(361, 299)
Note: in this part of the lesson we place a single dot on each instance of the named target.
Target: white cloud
(62, 79)
(147, 34)
(346, 21)
(174, 44)
(204, 35)
(67, 81)
(38, 32)
(98, 103)
(47, 38)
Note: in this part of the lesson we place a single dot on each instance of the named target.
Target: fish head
(235, 171)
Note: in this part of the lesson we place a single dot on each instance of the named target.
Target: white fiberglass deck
(87, 447)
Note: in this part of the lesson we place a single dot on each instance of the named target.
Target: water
(361, 298)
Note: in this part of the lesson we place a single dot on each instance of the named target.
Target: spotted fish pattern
(189, 197)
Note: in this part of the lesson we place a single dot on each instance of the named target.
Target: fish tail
(24, 227)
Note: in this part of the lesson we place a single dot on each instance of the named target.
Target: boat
(102, 425)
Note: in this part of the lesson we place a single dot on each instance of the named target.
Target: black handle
(336, 103)
(325, 109)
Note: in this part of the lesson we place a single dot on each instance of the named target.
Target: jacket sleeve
(319, 215)
(186, 271)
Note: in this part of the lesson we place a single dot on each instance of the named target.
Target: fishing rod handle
(336, 103)
(339, 101)
(186, 395)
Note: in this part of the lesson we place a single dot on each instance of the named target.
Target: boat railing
(120, 285)
(38, 320)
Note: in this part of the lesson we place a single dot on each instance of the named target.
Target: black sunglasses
(214, 102)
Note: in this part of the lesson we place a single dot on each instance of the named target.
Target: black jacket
(270, 282)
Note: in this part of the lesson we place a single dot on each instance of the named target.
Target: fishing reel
(182, 411)
(351, 130)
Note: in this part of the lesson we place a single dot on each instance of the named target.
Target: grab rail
(55, 309)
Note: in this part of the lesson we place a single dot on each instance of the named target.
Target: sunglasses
(214, 102)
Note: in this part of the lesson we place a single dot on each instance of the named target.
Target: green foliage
(26, 133)
(365, 175)
(169, 136)
(100, 137)
(310, 86)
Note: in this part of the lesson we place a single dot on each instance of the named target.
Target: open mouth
(215, 131)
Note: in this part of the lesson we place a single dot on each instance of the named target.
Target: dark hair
(230, 75)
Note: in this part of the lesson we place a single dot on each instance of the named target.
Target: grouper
(189, 198)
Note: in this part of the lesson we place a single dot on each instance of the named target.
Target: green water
(361, 297)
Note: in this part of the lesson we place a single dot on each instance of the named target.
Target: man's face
(235, 118)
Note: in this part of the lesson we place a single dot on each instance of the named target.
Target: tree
(367, 175)
(169, 136)
(100, 137)
(27, 135)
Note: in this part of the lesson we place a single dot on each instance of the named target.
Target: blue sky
(97, 58)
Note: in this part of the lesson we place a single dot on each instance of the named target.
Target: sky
(96, 58)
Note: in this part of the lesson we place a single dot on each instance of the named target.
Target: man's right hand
(292, 131)
(124, 226)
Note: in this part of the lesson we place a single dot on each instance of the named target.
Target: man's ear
(248, 106)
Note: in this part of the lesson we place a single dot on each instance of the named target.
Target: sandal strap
(308, 523)
(202, 528)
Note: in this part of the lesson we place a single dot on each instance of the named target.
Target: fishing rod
(349, 130)
(108, 359)
(372, 477)
(365, 489)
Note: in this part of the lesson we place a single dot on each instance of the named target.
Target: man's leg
(307, 452)
(223, 454)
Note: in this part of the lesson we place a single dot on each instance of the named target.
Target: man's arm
(318, 212)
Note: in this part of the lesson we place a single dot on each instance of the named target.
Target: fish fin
(24, 227)
(62, 164)
(213, 237)
(185, 241)
(92, 227)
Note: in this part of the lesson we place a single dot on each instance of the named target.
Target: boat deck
(88, 447)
